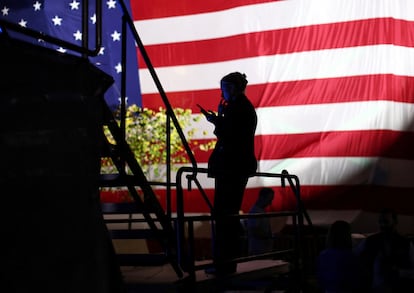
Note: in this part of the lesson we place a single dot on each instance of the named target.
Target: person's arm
(210, 115)
(360, 247)
(408, 273)
(258, 228)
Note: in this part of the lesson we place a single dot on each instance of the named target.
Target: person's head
(232, 85)
(387, 220)
(265, 198)
(339, 235)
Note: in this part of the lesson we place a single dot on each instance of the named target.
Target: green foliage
(146, 134)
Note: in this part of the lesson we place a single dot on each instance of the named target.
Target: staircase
(130, 175)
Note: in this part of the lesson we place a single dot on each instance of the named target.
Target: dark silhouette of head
(387, 220)
(265, 197)
(233, 84)
(339, 235)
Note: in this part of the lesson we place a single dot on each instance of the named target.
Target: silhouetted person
(388, 257)
(338, 269)
(259, 230)
(231, 163)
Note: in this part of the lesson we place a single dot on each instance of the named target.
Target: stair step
(257, 274)
(122, 208)
(119, 208)
(142, 259)
(132, 234)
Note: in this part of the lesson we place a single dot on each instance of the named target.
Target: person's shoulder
(378, 236)
(402, 240)
(336, 256)
(256, 209)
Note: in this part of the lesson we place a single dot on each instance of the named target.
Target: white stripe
(344, 171)
(331, 63)
(368, 115)
(268, 16)
(331, 171)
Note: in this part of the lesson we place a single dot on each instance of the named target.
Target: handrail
(296, 191)
(292, 179)
(294, 184)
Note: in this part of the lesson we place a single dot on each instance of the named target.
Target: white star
(5, 11)
(78, 35)
(61, 50)
(23, 22)
(74, 5)
(118, 68)
(111, 4)
(57, 20)
(37, 6)
(116, 36)
(101, 51)
(93, 18)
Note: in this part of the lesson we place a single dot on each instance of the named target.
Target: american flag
(63, 20)
(332, 82)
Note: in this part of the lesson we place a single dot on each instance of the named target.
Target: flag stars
(57, 20)
(37, 6)
(116, 36)
(5, 11)
(93, 18)
(61, 50)
(101, 51)
(118, 68)
(111, 4)
(74, 5)
(23, 23)
(77, 35)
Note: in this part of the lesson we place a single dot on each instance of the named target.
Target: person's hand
(211, 116)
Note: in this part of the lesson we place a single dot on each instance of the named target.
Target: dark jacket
(382, 254)
(235, 128)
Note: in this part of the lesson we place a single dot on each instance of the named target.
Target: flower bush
(146, 134)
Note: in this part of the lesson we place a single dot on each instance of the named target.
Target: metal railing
(186, 240)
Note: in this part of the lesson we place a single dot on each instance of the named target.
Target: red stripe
(387, 87)
(307, 38)
(368, 143)
(318, 91)
(368, 198)
(148, 9)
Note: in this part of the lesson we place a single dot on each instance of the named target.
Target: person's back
(387, 257)
(338, 268)
(259, 231)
